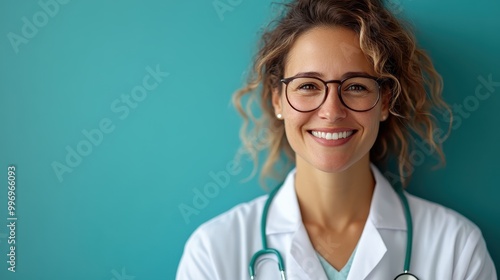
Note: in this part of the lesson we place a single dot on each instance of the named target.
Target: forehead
(330, 51)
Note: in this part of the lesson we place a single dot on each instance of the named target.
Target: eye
(308, 86)
(355, 87)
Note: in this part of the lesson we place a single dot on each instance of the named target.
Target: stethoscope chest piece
(406, 276)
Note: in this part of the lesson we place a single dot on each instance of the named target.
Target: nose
(332, 109)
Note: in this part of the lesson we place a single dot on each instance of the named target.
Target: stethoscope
(406, 275)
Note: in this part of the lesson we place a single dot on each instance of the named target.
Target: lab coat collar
(386, 210)
(284, 211)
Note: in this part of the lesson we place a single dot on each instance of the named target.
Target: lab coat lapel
(284, 213)
(285, 218)
(306, 263)
(386, 212)
(371, 248)
(301, 260)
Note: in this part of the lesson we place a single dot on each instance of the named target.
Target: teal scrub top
(332, 273)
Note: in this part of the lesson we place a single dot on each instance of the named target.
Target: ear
(386, 99)
(276, 100)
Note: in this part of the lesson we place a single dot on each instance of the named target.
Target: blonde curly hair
(410, 78)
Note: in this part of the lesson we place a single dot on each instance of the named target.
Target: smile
(331, 136)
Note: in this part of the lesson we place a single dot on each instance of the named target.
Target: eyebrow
(320, 75)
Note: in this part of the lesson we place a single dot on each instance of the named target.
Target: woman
(342, 88)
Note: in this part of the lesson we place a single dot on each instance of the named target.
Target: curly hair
(412, 82)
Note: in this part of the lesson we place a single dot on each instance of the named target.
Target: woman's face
(330, 53)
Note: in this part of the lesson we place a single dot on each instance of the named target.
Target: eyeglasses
(306, 94)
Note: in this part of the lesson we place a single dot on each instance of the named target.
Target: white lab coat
(445, 244)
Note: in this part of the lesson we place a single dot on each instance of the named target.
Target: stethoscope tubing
(265, 249)
(409, 228)
(406, 275)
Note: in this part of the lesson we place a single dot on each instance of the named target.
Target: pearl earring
(279, 116)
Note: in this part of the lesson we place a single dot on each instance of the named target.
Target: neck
(334, 200)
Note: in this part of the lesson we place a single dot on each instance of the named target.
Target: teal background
(116, 215)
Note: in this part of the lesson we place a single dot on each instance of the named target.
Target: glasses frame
(286, 81)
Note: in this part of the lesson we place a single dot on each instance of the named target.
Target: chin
(333, 168)
(332, 165)
(335, 163)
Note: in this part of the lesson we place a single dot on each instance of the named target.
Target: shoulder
(451, 240)
(434, 216)
(220, 239)
(241, 215)
(447, 229)
(230, 225)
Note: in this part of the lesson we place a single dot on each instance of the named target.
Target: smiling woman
(343, 87)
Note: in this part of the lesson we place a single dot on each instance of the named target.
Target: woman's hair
(413, 85)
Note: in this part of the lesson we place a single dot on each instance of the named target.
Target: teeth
(332, 136)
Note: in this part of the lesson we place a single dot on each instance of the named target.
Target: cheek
(294, 122)
(372, 126)
(292, 125)
(375, 128)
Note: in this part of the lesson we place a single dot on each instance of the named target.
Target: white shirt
(445, 244)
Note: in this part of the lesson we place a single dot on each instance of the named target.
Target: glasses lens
(360, 93)
(306, 94)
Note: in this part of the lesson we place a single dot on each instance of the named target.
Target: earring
(384, 117)
(279, 116)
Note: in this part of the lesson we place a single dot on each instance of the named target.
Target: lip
(332, 142)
